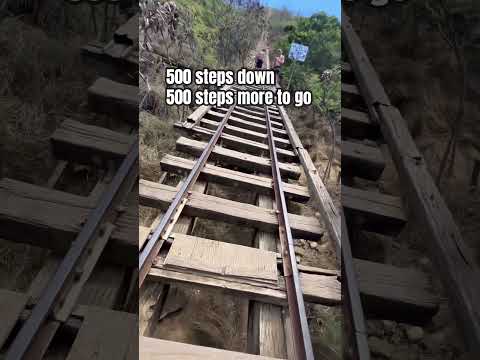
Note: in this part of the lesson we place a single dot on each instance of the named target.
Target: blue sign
(298, 52)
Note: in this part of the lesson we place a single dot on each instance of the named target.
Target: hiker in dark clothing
(259, 60)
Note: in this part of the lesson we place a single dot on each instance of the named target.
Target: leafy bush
(321, 72)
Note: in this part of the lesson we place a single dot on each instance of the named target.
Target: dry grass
(40, 86)
(157, 138)
(30, 113)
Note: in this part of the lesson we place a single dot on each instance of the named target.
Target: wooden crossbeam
(245, 133)
(320, 289)
(244, 124)
(240, 144)
(390, 292)
(75, 141)
(115, 99)
(207, 206)
(151, 349)
(358, 125)
(236, 158)
(52, 219)
(387, 291)
(239, 179)
(362, 160)
(380, 213)
(106, 334)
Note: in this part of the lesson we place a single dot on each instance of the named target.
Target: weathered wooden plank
(316, 270)
(352, 97)
(330, 214)
(160, 196)
(244, 124)
(379, 212)
(236, 158)
(246, 134)
(289, 336)
(11, 306)
(267, 318)
(115, 99)
(316, 288)
(104, 288)
(257, 117)
(221, 258)
(117, 50)
(242, 180)
(260, 111)
(105, 334)
(75, 141)
(242, 145)
(128, 32)
(199, 113)
(250, 125)
(256, 112)
(358, 125)
(52, 219)
(350, 89)
(396, 293)
(362, 160)
(122, 66)
(125, 40)
(154, 349)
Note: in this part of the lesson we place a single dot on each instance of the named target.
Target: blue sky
(307, 7)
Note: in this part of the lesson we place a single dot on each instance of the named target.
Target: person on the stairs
(259, 60)
(277, 65)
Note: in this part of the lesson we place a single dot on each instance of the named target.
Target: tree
(240, 24)
(321, 72)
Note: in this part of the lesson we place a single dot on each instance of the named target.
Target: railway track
(251, 149)
(370, 122)
(79, 303)
(84, 290)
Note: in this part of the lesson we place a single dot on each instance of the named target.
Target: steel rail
(351, 300)
(162, 231)
(302, 342)
(123, 181)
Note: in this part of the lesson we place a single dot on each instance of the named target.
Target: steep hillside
(427, 89)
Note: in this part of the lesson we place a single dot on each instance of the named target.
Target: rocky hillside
(421, 75)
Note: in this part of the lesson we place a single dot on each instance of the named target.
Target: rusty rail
(302, 342)
(68, 271)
